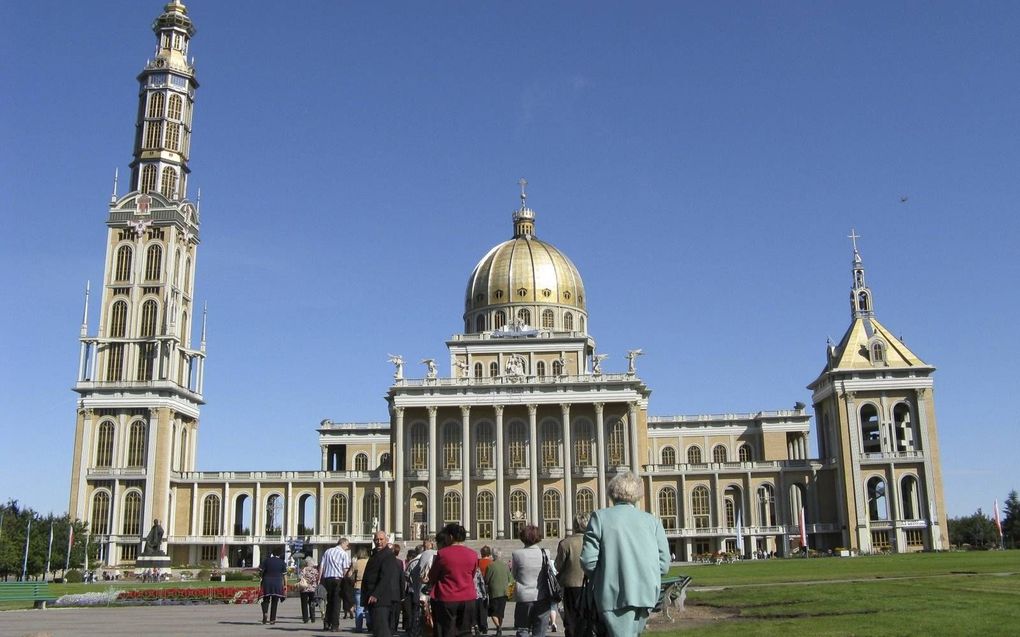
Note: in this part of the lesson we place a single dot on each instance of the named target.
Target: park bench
(672, 593)
(36, 592)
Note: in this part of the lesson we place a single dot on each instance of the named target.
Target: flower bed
(164, 596)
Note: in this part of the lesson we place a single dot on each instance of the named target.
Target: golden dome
(525, 282)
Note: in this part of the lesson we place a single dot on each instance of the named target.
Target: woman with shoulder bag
(307, 586)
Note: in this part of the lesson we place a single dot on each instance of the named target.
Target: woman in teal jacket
(625, 553)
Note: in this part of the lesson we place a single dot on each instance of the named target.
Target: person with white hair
(625, 554)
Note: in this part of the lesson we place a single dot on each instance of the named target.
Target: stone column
(433, 470)
(632, 421)
(568, 473)
(465, 467)
(600, 452)
(500, 489)
(325, 458)
(536, 492)
(257, 526)
(398, 473)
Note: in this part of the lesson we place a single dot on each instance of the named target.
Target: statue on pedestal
(153, 540)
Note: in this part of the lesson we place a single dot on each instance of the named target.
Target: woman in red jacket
(452, 582)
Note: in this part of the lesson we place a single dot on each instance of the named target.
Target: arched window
(136, 444)
(480, 323)
(540, 369)
(479, 370)
(183, 457)
(904, 428)
(173, 141)
(118, 319)
(745, 454)
(187, 275)
(451, 446)
(385, 462)
(211, 515)
(615, 444)
(550, 445)
(451, 508)
(185, 335)
(104, 445)
(568, 321)
(155, 105)
(877, 508)
(169, 183)
(766, 505)
(484, 446)
(551, 513)
(123, 268)
(338, 514)
(153, 131)
(148, 178)
(518, 511)
(517, 446)
(700, 509)
(307, 514)
(499, 320)
(100, 514)
(863, 303)
(150, 312)
(361, 462)
(153, 262)
(877, 352)
(524, 315)
(580, 324)
(370, 518)
(557, 368)
(115, 361)
(547, 319)
(730, 516)
(585, 500)
(485, 514)
(584, 443)
(668, 456)
(911, 501)
(667, 507)
(694, 454)
(132, 524)
(174, 112)
(419, 456)
(719, 453)
(493, 369)
(871, 438)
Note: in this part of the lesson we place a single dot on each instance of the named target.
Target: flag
(998, 522)
(803, 529)
(49, 551)
(70, 543)
(740, 536)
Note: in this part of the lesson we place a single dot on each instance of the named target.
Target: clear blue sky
(701, 164)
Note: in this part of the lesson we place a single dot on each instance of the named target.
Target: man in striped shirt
(335, 563)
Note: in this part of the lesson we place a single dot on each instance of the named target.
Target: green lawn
(939, 594)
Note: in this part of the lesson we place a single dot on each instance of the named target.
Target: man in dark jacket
(381, 587)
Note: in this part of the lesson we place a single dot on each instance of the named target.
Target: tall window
(694, 454)
(153, 262)
(766, 505)
(152, 134)
(745, 453)
(517, 446)
(451, 446)
(173, 140)
(104, 445)
(148, 178)
(870, 438)
(484, 446)
(149, 313)
(338, 514)
(118, 319)
(122, 272)
(547, 319)
(557, 368)
(524, 315)
(371, 512)
(668, 455)
(115, 361)
(499, 319)
(550, 445)
(183, 456)
(484, 512)
(479, 370)
(877, 503)
(667, 508)
(493, 369)
(585, 500)
(136, 444)
(551, 513)
(451, 508)
(169, 185)
(211, 515)
(419, 456)
(700, 508)
(580, 324)
(719, 453)
(174, 112)
(361, 462)
(132, 524)
(540, 368)
(155, 105)
(187, 275)
(568, 322)
(909, 492)
(480, 323)
(146, 360)
(518, 511)
(100, 513)
(615, 443)
(583, 444)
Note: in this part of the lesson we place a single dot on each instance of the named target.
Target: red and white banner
(998, 522)
(803, 529)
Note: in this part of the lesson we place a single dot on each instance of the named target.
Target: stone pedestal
(160, 563)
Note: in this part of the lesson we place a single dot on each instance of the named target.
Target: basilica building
(520, 426)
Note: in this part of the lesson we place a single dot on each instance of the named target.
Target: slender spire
(524, 219)
(205, 313)
(861, 305)
(85, 313)
(116, 175)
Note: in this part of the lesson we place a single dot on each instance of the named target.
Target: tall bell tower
(140, 376)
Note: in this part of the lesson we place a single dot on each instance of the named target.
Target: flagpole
(70, 544)
(49, 552)
(998, 525)
(24, 561)
(86, 569)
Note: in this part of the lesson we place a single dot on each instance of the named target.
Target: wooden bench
(672, 593)
(36, 592)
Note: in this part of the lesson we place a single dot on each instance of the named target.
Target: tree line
(979, 530)
(14, 526)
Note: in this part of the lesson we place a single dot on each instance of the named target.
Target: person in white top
(335, 563)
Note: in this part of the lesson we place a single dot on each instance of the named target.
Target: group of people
(607, 575)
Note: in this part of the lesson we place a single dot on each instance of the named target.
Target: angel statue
(430, 364)
(398, 363)
(596, 363)
(632, 359)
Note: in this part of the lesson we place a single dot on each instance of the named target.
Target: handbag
(589, 620)
(548, 581)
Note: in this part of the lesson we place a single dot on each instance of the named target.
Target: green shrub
(74, 576)
(239, 576)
